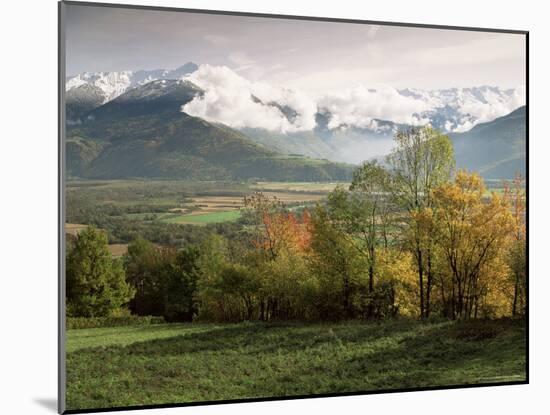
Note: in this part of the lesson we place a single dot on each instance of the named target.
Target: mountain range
(143, 133)
(132, 124)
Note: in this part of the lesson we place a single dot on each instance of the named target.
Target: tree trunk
(516, 289)
(420, 280)
(370, 309)
(429, 285)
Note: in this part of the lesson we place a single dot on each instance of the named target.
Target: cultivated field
(179, 202)
(308, 187)
(177, 363)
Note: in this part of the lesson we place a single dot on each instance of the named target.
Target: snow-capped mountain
(114, 84)
(350, 128)
(460, 109)
(233, 100)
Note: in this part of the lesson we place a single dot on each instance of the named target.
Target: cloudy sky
(315, 57)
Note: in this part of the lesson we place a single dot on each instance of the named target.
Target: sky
(316, 57)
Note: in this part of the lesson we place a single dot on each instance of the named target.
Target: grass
(204, 218)
(178, 363)
(306, 187)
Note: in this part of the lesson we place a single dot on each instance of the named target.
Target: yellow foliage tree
(473, 235)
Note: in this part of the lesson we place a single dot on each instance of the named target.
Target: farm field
(309, 187)
(181, 202)
(198, 218)
(178, 363)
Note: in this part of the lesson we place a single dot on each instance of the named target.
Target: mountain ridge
(143, 133)
(152, 109)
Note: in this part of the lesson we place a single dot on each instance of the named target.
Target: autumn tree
(422, 159)
(514, 193)
(280, 239)
(472, 234)
(263, 211)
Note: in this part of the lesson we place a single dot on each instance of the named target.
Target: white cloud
(359, 106)
(216, 40)
(495, 105)
(228, 100)
(372, 30)
(241, 59)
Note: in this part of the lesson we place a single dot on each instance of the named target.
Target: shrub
(112, 321)
(477, 330)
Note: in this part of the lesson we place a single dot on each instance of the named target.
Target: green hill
(495, 149)
(143, 133)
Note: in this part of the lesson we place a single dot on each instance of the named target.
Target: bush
(477, 330)
(119, 321)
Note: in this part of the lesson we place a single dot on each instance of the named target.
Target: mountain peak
(115, 83)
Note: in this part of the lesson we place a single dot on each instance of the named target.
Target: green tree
(338, 267)
(96, 283)
(422, 159)
(213, 259)
(179, 285)
(143, 264)
(363, 215)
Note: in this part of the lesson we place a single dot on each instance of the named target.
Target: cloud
(241, 59)
(492, 105)
(372, 30)
(228, 99)
(360, 105)
(216, 40)
(232, 99)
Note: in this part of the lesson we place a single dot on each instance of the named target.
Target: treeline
(410, 237)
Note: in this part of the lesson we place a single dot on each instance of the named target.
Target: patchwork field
(180, 202)
(309, 187)
(178, 363)
(202, 217)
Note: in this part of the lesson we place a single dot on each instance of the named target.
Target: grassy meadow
(178, 363)
(205, 360)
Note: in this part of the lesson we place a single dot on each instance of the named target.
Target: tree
(396, 284)
(514, 193)
(363, 215)
(179, 285)
(422, 160)
(262, 210)
(288, 288)
(472, 234)
(211, 300)
(143, 264)
(279, 239)
(338, 267)
(96, 283)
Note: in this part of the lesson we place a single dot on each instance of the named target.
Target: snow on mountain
(459, 109)
(237, 102)
(114, 84)
(233, 100)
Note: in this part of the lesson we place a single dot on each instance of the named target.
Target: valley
(170, 210)
(267, 207)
